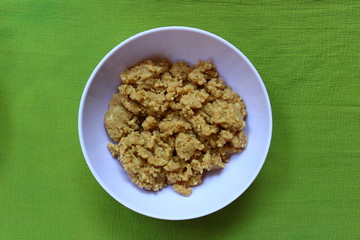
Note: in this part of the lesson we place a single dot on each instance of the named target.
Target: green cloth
(308, 54)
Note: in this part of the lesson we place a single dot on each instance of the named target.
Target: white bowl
(189, 45)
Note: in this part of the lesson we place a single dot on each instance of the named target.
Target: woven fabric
(307, 53)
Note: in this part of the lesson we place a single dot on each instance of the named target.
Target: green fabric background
(308, 54)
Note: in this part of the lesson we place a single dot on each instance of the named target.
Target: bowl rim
(81, 110)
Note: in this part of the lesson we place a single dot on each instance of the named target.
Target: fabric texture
(307, 53)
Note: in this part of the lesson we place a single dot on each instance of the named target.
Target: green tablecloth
(308, 54)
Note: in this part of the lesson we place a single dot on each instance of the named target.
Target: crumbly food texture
(173, 122)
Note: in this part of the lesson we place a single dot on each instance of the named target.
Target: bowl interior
(219, 188)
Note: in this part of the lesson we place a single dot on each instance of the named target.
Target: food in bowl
(173, 122)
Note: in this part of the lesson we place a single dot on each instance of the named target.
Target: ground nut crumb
(182, 189)
(173, 122)
(150, 123)
(186, 145)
